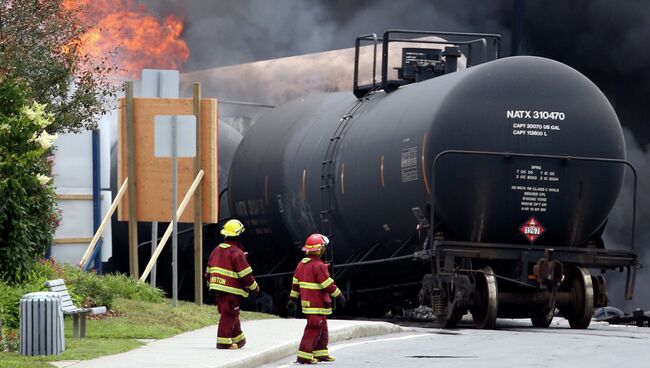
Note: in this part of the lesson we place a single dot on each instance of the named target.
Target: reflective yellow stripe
(305, 260)
(229, 289)
(304, 355)
(253, 286)
(336, 293)
(316, 310)
(295, 280)
(224, 340)
(294, 294)
(224, 245)
(235, 275)
(245, 272)
(239, 338)
(320, 353)
(310, 285)
(223, 271)
(326, 283)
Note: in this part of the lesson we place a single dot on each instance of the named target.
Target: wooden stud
(76, 197)
(71, 240)
(130, 147)
(198, 215)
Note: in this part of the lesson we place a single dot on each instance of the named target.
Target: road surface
(514, 344)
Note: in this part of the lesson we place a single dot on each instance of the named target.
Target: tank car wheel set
(486, 182)
(484, 312)
(578, 283)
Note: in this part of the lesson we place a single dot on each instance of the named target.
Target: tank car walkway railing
(564, 158)
(489, 48)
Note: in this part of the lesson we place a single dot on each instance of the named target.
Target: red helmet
(315, 242)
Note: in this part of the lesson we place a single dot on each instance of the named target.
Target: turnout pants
(229, 331)
(314, 339)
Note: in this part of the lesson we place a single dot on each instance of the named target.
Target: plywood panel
(153, 174)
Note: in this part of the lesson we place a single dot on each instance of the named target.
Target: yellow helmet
(232, 228)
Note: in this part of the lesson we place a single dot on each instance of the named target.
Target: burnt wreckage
(482, 187)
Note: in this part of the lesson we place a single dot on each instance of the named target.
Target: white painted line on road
(286, 365)
(337, 347)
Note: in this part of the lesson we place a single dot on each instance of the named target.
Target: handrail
(387, 39)
(357, 44)
(532, 155)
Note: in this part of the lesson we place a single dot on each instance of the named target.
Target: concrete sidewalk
(267, 340)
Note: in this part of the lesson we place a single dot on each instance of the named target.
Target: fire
(139, 37)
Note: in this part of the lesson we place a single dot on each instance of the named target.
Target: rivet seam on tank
(266, 190)
(343, 178)
(381, 171)
(424, 166)
(302, 191)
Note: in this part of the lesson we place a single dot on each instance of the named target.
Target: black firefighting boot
(228, 346)
(327, 358)
(306, 361)
(241, 344)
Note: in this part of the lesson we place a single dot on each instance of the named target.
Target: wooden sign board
(154, 174)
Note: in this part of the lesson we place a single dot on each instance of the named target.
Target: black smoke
(603, 39)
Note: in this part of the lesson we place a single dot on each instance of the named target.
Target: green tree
(28, 215)
(47, 85)
(41, 43)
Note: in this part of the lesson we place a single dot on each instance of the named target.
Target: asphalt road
(514, 344)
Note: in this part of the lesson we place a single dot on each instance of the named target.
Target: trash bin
(41, 324)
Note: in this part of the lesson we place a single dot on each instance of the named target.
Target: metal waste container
(41, 324)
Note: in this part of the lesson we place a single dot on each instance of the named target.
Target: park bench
(78, 314)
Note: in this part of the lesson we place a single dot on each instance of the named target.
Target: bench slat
(67, 305)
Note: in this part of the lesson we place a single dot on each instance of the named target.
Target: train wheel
(541, 319)
(485, 312)
(578, 283)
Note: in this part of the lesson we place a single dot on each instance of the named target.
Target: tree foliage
(28, 212)
(47, 85)
(41, 43)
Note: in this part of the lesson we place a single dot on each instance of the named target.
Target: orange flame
(141, 39)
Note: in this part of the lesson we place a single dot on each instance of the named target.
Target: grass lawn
(138, 320)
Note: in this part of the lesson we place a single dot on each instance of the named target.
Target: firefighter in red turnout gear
(313, 284)
(230, 275)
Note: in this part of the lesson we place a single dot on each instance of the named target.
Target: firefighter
(313, 284)
(231, 277)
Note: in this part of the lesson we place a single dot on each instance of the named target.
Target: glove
(256, 290)
(341, 300)
(291, 307)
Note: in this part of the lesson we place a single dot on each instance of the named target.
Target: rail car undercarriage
(518, 281)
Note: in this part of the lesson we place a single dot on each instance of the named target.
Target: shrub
(90, 289)
(10, 294)
(86, 289)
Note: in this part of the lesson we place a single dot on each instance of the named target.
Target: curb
(287, 349)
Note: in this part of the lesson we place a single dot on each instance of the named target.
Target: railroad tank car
(482, 190)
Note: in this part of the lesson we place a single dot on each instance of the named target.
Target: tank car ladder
(329, 166)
